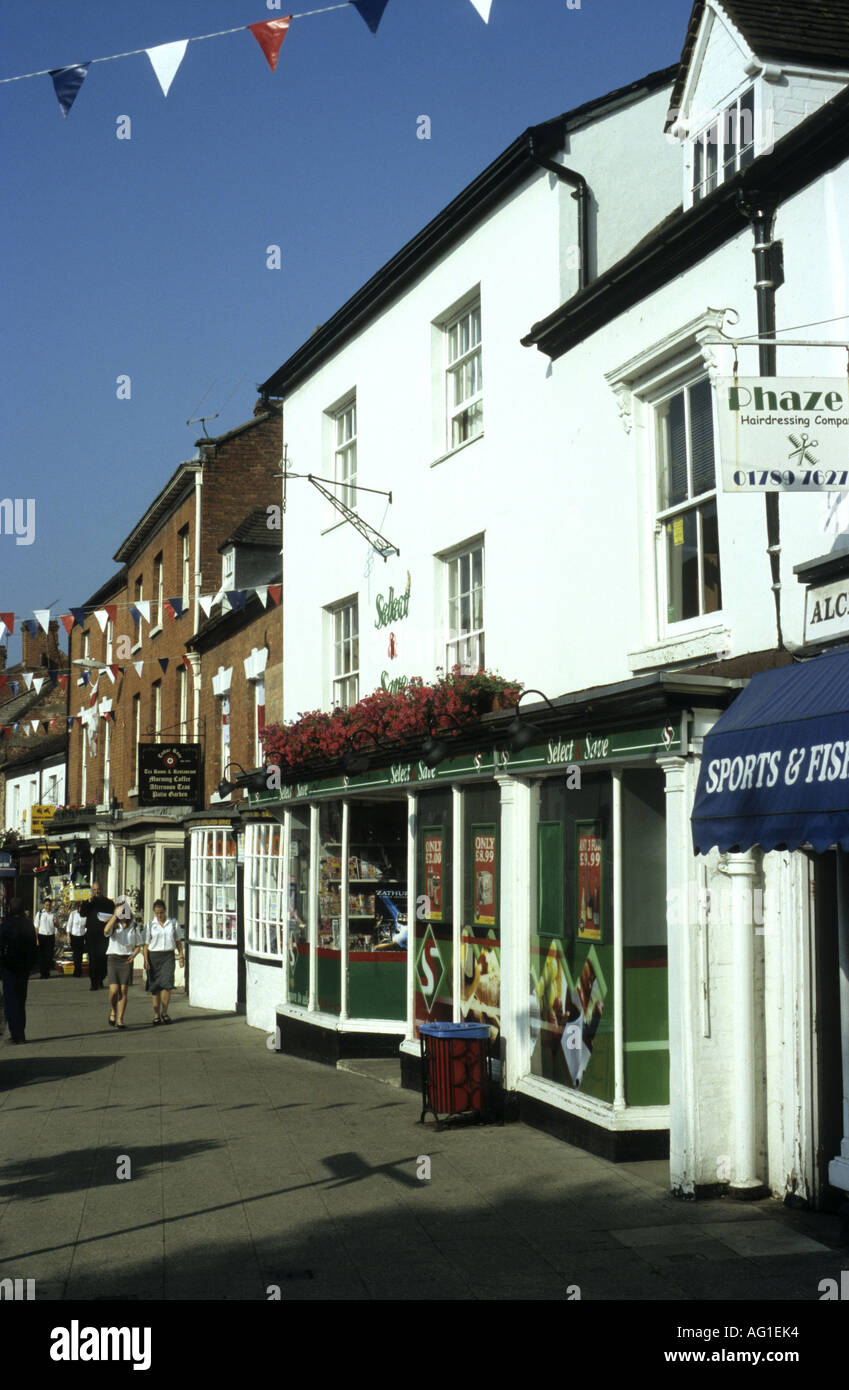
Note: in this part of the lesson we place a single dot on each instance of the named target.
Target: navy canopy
(775, 766)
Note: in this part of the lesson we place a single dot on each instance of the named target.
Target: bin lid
(453, 1030)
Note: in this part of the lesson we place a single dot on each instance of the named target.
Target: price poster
(588, 905)
(433, 864)
(483, 874)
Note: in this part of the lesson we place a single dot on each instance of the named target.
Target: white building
(560, 518)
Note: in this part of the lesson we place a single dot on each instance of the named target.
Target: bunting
(165, 59)
(43, 617)
(270, 34)
(483, 8)
(275, 593)
(67, 82)
(371, 11)
(8, 621)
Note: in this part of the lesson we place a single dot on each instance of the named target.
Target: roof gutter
(581, 196)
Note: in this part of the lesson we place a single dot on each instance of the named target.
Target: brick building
(136, 682)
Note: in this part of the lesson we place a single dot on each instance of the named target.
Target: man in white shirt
(45, 926)
(76, 935)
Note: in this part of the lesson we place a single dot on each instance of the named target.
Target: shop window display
(434, 916)
(213, 903)
(377, 910)
(298, 947)
(328, 953)
(645, 936)
(480, 940)
(571, 1003)
(265, 895)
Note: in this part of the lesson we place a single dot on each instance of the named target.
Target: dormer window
(725, 146)
(228, 568)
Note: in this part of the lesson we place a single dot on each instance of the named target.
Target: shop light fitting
(435, 749)
(520, 732)
(355, 759)
(249, 781)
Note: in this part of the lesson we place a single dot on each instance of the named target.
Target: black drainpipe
(760, 210)
(581, 196)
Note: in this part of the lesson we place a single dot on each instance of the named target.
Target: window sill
(458, 448)
(136, 648)
(154, 631)
(711, 641)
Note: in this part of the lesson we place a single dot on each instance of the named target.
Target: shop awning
(775, 766)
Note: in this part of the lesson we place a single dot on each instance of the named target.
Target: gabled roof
(254, 530)
(456, 221)
(812, 33)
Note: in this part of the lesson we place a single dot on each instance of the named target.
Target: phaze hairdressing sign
(784, 434)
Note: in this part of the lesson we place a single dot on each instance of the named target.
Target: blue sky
(146, 257)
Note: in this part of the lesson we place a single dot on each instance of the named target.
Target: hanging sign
(38, 818)
(170, 774)
(433, 864)
(588, 852)
(784, 434)
(483, 874)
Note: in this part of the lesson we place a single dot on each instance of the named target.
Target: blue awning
(775, 766)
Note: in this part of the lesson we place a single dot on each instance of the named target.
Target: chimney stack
(42, 650)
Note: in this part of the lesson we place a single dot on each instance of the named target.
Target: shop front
(216, 964)
(527, 890)
(773, 801)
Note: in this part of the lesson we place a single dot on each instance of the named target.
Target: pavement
(192, 1162)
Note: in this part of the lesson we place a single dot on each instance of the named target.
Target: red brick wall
(263, 630)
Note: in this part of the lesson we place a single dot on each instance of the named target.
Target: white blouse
(76, 924)
(162, 936)
(45, 924)
(123, 939)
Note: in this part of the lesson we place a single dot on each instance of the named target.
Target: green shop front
(526, 890)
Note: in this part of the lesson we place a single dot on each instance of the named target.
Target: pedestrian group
(106, 931)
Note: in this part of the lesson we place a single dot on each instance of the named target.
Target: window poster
(588, 904)
(483, 874)
(433, 868)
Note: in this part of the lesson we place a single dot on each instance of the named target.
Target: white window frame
(344, 654)
(212, 914)
(266, 896)
(185, 566)
(136, 739)
(457, 359)
(344, 452)
(465, 646)
(157, 708)
(710, 147)
(183, 688)
(157, 603)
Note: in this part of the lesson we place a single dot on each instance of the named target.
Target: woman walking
(162, 937)
(124, 946)
(45, 926)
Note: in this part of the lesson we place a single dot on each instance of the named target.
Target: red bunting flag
(112, 610)
(270, 35)
(67, 620)
(275, 591)
(63, 681)
(169, 609)
(2, 681)
(116, 670)
(8, 620)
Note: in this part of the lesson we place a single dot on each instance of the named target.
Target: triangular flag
(38, 682)
(483, 8)
(187, 663)
(275, 591)
(261, 592)
(84, 678)
(8, 621)
(2, 629)
(53, 722)
(177, 605)
(33, 723)
(54, 677)
(102, 616)
(163, 661)
(28, 679)
(206, 602)
(371, 11)
(31, 626)
(14, 686)
(135, 614)
(43, 616)
(45, 726)
(67, 620)
(143, 605)
(168, 605)
(79, 616)
(165, 60)
(236, 598)
(63, 681)
(2, 680)
(112, 612)
(270, 35)
(138, 665)
(67, 82)
(116, 671)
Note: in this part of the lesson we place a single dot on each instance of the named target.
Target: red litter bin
(455, 1069)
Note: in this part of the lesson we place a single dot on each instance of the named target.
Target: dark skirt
(119, 970)
(161, 970)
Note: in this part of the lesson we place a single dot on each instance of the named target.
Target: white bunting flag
(206, 601)
(38, 682)
(43, 616)
(33, 723)
(262, 594)
(28, 679)
(138, 665)
(143, 605)
(102, 618)
(3, 629)
(483, 8)
(166, 59)
(104, 671)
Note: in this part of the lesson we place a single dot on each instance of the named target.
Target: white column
(682, 978)
(286, 926)
(343, 914)
(618, 950)
(838, 1168)
(742, 869)
(412, 904)
(313, 902)
(457, 893)
(517, 918)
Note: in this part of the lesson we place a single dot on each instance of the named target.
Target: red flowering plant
(388, 720)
